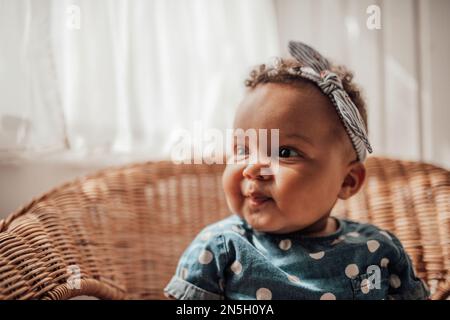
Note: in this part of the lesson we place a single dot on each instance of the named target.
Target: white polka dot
(373, 245)
(285, 244)
(317, 255)
(395, 281)
(236, 267)
(384, 233)
(351, 270)
(205, 257)
(328, 296)
(293, 279)
(353, 234)
(263, 294)
(365, 286)
(338, 240)
(238, 229)
(184, 273)
(206, 235)
(384, 262)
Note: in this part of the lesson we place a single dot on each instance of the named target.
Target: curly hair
(279, 73)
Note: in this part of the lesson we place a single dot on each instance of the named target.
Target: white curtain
(136, 71)
(120, 77)
(403, 66)
(31, 115)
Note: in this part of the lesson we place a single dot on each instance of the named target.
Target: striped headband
(316, 68)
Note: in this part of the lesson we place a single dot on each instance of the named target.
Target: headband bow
(317, 69)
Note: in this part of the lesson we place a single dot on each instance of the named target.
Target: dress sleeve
(403, 282)
(200, 271)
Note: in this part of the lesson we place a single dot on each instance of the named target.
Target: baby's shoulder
(231, 227)
(226, 223)
(365, 229)
(373, 238)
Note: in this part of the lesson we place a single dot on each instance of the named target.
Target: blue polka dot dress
(230, 260)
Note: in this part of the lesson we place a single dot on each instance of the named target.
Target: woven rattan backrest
(119, 233)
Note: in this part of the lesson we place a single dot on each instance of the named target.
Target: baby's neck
(322, 227)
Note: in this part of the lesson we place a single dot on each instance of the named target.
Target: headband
(316, 68)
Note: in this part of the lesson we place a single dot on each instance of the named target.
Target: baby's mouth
(256, 199)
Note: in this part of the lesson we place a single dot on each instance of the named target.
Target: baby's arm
(403, 282)
(200, 270)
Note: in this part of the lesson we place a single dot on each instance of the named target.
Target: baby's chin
(262, 221)
(267, 223)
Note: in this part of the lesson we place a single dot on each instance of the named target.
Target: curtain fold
(31, 117)
(129, 74)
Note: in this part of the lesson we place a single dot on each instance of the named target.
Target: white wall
(23, 180)
(20, 182)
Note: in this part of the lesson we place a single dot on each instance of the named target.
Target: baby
(281, 242)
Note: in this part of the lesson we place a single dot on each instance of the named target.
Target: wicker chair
(118, 234)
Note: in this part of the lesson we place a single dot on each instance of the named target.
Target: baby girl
(280, 241)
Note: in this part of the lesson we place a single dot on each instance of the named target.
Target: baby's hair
(279, 73)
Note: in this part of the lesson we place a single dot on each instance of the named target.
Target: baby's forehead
(289, 108)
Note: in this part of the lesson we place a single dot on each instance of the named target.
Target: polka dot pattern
(384, 262)
(328, 296)
(293, 279)
(394, 281)
(351, 271)
(285, 244)
(263, 294)
(317, 255)
(365, 286)
(353, 234)
(236, 267)
(373, 245)
(267, 266)
(205, 257)
(338, 240)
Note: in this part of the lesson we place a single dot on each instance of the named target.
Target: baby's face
(315, 157)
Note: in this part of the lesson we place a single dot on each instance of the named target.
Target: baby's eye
(241, 151)
(285, 152)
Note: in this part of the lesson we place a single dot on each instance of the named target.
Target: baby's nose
(258, 171)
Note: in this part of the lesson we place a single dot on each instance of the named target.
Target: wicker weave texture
(118, 234)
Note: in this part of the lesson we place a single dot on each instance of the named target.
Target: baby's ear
(353, 181)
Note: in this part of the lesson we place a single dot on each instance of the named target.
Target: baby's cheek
(303, 192)
(291, 190)
(231, 182)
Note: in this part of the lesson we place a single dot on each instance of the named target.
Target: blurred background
(89, 84)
